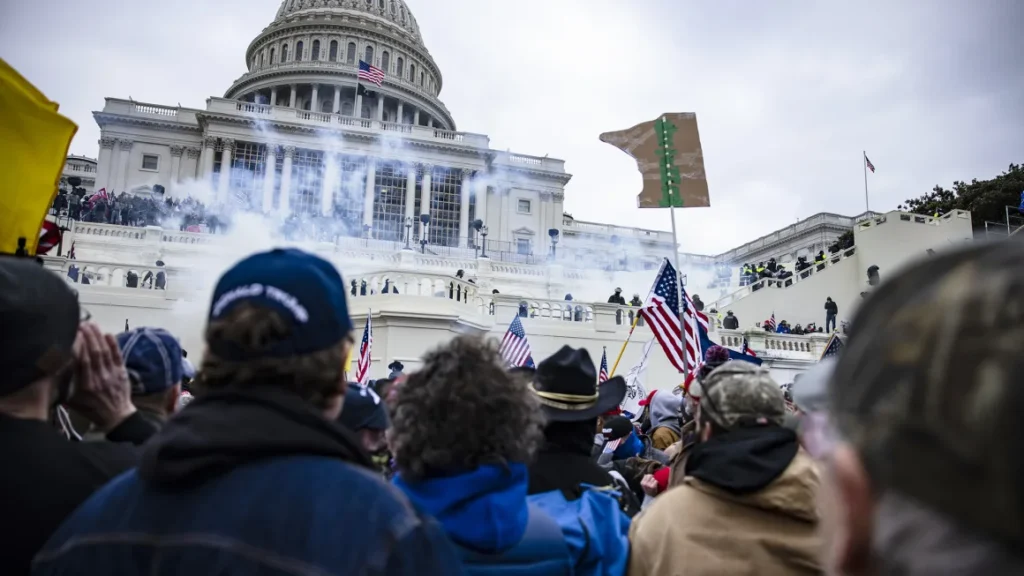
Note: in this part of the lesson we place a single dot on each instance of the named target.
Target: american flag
(771, 322)
(514, 347)
(661, 309)
(869, 164)
(603, 374)
(747, 349)
(370, 73)
(835, 344)
(71, 253)
(363, 367)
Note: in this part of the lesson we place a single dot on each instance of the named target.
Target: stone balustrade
(106, 274)
(413, 284)
(776, 284)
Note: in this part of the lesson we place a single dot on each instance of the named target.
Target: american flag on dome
(661, 309)
(370, 73)
(602, 375)
(363, 367)
(771, 322)
(514, 347)
(835, 344)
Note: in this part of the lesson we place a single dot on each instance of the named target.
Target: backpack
(595, 529)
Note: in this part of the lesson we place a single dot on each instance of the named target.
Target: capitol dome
(308, 58)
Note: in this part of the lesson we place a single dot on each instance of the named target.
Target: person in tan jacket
(745, 504)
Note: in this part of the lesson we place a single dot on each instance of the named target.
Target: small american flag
(514, 347)
(603, 374)
(747, 349)
(835, 344)
(71, 253)
(370, 73)
(661, 309)
(363, 367)
(869, 164)
(771, 322)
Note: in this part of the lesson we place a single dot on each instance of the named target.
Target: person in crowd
(798, 330)
(831, 310)
(819, 259)
(396, 368)
(730, 322)
(353, 290)
(636, 301)
(50, 359)
(470, 472)
(698, 303)
(873, 277)
(568, 297)
(624, 441)
(617, 298)
(665, 420)
(916, 423)
(161, 277)
(747, 491)
(783, 327)
(155, 369)
(364, 414)
(252, 464)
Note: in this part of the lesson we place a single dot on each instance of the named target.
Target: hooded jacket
(665, 425)
(245, 482)
(748, 498)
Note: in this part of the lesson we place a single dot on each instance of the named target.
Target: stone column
(192, 171)
(273, 96)
(286, 180)
(481, 199)
(268, 179)
(291, 100)
(380, 107)
(464, 208)
(368, 195)
(357, 107)
(425, 188)
(430, 122)
(314, 102)
(123, 164)
(176, 152)
(410, 190)
(225, 168)
(337, 100)
(104, 162)
(327, 183)
(209, 149)
(401, 116)
(416, 117)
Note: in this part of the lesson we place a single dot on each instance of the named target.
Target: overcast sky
(787, 93)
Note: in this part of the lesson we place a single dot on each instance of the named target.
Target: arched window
(350, 57)
(271, 55)
(298, 51)
(369, 55)
(385, 61)
(401, 13)
(380, 4)
(333, 57)
(400, 70)
(284, 53)
(412, 72)
(316, 50)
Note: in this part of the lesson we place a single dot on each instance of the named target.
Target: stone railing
(80, 168)
(87, 272)
(324, 119)
(142, 109)
(775, 283)
(529, 162)
(404, 283)
(787, 346)
(822, 219)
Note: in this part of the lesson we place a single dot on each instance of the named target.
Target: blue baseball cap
(305, 289)
(153, 359)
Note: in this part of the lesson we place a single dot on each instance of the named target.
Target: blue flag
(1021, 207)
(706, 343)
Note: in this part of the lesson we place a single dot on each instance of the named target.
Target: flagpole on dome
(864, 164)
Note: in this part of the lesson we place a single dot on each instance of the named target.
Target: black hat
(363, 410)
(566, 384)
(616, 427)
(40, 321)
(396, 366)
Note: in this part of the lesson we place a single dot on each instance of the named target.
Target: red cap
(613, 412)
(650, 397)
(661, 475)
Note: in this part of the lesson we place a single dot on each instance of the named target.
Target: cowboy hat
(566, 384)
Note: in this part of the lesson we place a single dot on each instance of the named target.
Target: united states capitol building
(416, 200)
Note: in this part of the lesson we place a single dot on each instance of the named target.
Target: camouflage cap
(738, 394)
(928, 388)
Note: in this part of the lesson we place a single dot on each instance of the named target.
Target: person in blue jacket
(463, 432)
(256, 476)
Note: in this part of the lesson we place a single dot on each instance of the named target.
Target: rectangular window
(523, 246)
(445, 204)
(248, 167)
(523, 206)
(150, 162)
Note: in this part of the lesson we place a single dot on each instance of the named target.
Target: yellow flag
(34, 141)
(348, 362)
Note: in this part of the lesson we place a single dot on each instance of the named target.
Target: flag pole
(679, 284)
(623, 349)
(864, 165)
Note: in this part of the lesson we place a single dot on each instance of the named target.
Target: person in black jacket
(617, 297)
(46, 476)
(730, 322)
(831, 310)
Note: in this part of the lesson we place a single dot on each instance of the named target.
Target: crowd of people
(122, 458)
(124, 209)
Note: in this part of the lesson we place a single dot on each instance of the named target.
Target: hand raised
(102, 390)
